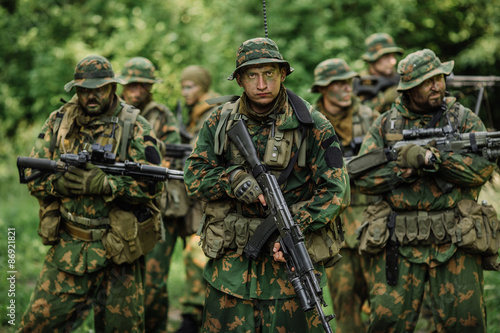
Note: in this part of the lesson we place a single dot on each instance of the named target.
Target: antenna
(265, 16)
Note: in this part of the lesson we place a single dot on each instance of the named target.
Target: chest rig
(118, 130)
(279, 144)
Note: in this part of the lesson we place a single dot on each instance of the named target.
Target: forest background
(41, 42)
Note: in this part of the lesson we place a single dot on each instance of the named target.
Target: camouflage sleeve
(385, 177)
(465, 169)
(169, 130)
(142, 148)
(329, 175)
(205, 173)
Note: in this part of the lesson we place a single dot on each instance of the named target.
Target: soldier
(195, 81)
(418, 233)
(333, 79)
(377, 86)
(256, 295)
(138, 75)
(83, 211)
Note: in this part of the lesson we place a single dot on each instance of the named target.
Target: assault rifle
(42, 166)
(477, 82)
(299, 265)
(445, 139)
(178, 150)
(185, 135)
(369, 86)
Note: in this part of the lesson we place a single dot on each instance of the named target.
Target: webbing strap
(83, 220)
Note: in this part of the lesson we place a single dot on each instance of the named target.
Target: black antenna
(265, 16)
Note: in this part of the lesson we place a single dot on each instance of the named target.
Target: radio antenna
(265, 16)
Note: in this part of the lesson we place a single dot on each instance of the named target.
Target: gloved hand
(76, 181)
(411, 156)
(245, 186)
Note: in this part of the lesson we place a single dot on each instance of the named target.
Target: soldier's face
(384, 65)
(136, 93)
(191, 92)
(428, 95)
(337, 94)
(262, 85)
(95, 101)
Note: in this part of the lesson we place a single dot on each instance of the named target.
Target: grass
(19, 210)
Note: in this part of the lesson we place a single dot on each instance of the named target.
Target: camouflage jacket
(70, 254)
(162, 121)
(323, 185)
(362, 116)
(383, 100)
(467, 172)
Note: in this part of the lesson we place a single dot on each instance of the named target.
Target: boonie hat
(379, 44)
(330, 70)
(139, 69)
(258, 51)
(419, 66)
(92, 72)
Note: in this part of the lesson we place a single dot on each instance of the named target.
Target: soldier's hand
(411, 156)
(246, 188)
(90, 180)
(63, 185)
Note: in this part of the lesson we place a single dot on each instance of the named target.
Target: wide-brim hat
(379, 44)
(92, 72)
(330, 70)
(258, 51)
(420, 66)
(139, 69)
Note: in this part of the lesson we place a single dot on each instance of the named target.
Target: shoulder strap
(55, 131)
(220, 133)
(128, 115)
(300, 108)
(393, 130)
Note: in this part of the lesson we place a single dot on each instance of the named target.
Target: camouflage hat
(258, 51)
(379, 44)
(331, 70)
(419, 66)
(92, 72)
(139, 69)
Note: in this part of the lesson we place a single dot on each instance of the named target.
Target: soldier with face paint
(415, 236)
(252, 295)
(380, 79)
(333, 79)
(80, 208)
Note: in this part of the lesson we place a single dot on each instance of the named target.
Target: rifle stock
(42, 166)
(300, 268)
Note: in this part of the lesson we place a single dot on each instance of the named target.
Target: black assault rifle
(369, 86)
(477, 82)
(42, 166)
(299, 265)
(178, 150)
(445, 139)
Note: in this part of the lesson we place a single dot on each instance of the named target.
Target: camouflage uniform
(377, 45)
(165, 126)
(346, 280)
(77, 274)
(455, 277)
(194, 259)
(255, 295)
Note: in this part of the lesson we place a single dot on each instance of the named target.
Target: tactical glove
(245, 186)
(411, 156)
(62, 185)
(90, 180)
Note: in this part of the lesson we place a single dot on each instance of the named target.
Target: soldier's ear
(283, 73)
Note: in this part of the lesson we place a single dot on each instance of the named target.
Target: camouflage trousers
(62, 300)
(225, 313)
(349, 291)
(455, 291)
(194, 291)
(157, 268)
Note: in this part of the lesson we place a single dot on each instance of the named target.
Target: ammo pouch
(478, 228)
(423, 227)
(132, 233)
(323, 245)
(373, 233)
(50, 220)
(175, 201)
(223, 230)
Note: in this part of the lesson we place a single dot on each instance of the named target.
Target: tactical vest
(149, 113)
(125, 121)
